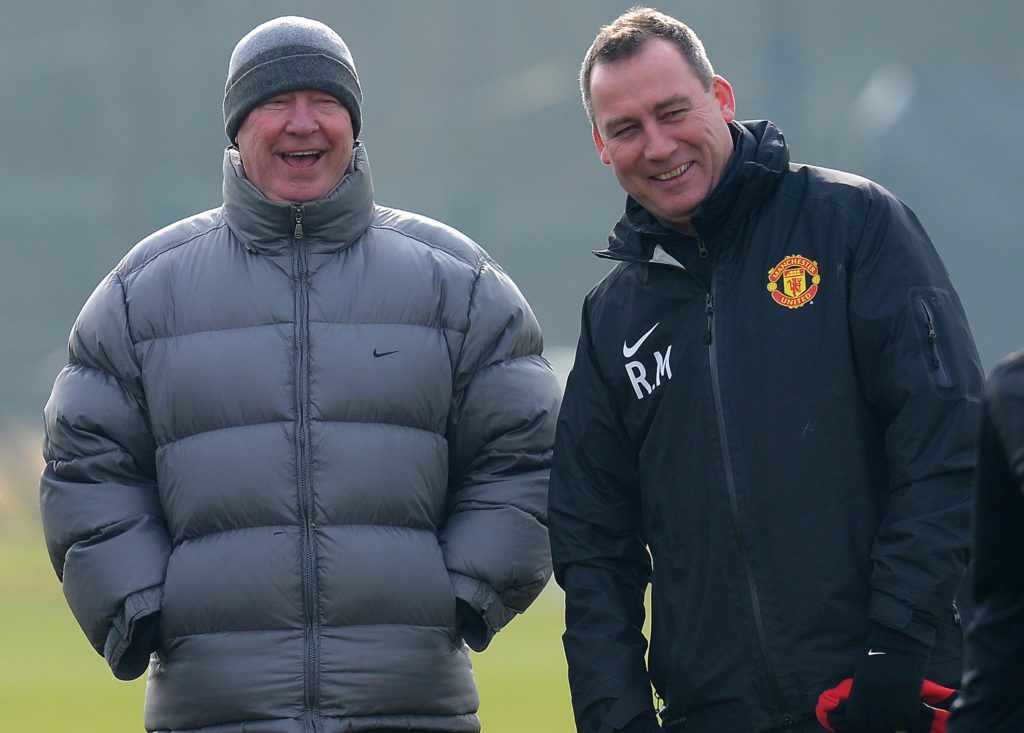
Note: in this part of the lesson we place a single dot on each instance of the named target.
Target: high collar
(760, 155)
(329, 224)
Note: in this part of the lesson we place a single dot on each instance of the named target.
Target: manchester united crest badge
(794, 281)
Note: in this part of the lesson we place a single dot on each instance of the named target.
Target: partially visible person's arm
(102, 519)
(994, 649)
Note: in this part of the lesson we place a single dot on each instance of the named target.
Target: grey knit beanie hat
(284, 55)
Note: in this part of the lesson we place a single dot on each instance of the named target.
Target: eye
(676, 113)
(624, 131)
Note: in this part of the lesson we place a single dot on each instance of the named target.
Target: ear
(722, 91)
(599, 144)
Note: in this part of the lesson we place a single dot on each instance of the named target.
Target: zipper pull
(298, 222)
(702, 248)
(709, 308)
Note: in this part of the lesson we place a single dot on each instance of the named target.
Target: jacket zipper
(709, 310)
(730, 485)
(730, 488)
(933, 344)
(308, 528)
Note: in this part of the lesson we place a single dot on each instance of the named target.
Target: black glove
(936, 702)
(886, 694)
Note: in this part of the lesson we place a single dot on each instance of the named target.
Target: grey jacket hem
(465, 723)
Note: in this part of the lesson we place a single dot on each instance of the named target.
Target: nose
(302, 120)
(658, 145)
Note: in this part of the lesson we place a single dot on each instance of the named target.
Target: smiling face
(665, 136)
(296, 146)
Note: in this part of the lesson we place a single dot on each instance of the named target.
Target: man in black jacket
(770, 420)
(994, 650)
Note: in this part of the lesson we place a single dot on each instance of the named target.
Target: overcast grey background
(111, 128)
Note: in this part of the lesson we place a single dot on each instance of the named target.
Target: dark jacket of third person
(994, 652)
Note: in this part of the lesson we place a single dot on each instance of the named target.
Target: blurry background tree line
(111, 128)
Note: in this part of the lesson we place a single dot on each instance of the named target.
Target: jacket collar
(760, 156)
(328, 225)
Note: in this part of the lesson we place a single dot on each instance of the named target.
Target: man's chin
(299, 193)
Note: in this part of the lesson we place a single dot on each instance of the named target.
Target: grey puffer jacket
(287, 441)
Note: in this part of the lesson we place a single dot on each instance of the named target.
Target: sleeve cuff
(885, 638)
(887, 612)
(484, 602)
(134, 634)
(641, 724)
(633, 712)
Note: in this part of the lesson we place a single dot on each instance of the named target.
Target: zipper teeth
(932, 335)
(709, 310)
(305, 503)
(941, 373)
(730, 487)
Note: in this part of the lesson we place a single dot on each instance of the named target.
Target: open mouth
(302, 158)
(674, 173)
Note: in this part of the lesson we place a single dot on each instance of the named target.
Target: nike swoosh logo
(628, 351)
(873, 653)
(379, 354)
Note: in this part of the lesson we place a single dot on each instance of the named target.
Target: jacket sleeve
(599, 552)
(501, 427)
(102, 520)
(920, 372)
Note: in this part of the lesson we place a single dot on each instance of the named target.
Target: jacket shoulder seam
(433, 245)
(169, 248)
(612, 277)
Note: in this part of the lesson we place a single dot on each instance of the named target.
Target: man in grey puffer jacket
(299, 456)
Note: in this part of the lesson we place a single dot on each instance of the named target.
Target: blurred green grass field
(52, 681)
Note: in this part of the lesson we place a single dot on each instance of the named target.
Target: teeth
(304, 153)
(673, 173)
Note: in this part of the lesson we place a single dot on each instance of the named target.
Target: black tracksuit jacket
(990, 701)
(780, 414)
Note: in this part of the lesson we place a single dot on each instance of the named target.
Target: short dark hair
(626, 36)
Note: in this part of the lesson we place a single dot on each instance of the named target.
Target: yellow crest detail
(799, 278)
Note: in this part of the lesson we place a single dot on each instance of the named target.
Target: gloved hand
(886, 688)
(886, 694)
(936, 703)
